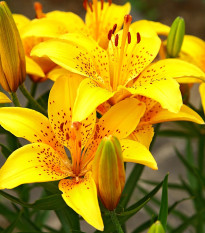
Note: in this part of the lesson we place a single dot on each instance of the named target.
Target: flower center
(98, 11)
(120, 52)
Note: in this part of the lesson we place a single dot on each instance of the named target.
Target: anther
(102, 2)
(138, 38)
(110, 2)
(129, 37)
(114, 28)
(128, 19)
(85, 3)
(116, 40)
(109, 35)
(39, 10)
(91, 6)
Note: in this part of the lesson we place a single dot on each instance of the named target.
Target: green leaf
(13, 142)
(181, 228)
(131, 184)
(163, 213)
(170, 185)
(190, 159)
(10, 228)
(191, 168)
(52, 202)
(176, 133)
(69, 219)
(5, 151)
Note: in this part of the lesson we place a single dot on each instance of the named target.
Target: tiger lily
(122, 70)
(45, 158)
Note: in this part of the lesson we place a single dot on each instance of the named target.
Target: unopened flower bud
(12, 57)
(175, 37)
(156, 228)
(108, 171)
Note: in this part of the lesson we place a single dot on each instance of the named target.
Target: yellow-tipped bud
(12, 57)
(156, 228)
(108, 171)
(175, 37)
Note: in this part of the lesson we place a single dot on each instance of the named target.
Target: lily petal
(35, 162)
(202, 93)
(57, 72)
(158, 82)
(33, 68)
(72, 56)
(44, 28)
(90, 95)
(193, 51)
(81, 196)
(20, 21)
(157, 115)
(120, 121)
(137, 153)
(31, 125)
(143, 134)
(60, 110)
(72, 22)
(4, 98)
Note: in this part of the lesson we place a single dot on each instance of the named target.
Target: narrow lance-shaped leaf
(163, 213)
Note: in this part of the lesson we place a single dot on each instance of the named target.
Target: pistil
(76, 147)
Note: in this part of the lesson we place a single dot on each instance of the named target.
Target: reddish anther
(39, 10)
(116, 40)
(109, 35)
(85, 4)
(128, 19)
(102, 2)
(138, 38)
(110, 2)
(114, 28)
(91, 6)
(129, 37)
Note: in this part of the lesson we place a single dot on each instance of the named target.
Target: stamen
(85, 4)
(110, 2)
(116, 40)
(109, 35)
(114, 28)
(102, 2)
(76, 146)
(91, 7)
(129, 38)
(39, 10)
(117, 75)
(138, 38)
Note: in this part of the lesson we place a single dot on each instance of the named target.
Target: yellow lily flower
(154, 114)
(99, 17)
(121, 70)
(45, 158)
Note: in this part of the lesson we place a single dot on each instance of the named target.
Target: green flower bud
(108, 171)
(156, 228)
(12, 57)
(175, 37)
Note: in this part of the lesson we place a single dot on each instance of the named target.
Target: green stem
(34, 88)
(115, 221)
(34, 103)
(15, 99)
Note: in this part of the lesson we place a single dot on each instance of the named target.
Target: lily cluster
(111, 85)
